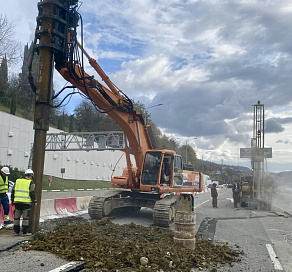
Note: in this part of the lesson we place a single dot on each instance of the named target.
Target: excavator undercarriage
(110, 202)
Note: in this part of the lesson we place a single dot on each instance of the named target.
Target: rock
(144, 261)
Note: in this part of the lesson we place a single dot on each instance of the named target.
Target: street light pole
(187, 147)
(145, 113)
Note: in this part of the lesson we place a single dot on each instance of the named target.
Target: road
(265, 237)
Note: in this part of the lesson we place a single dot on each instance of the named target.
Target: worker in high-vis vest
(4, 200)
(23, 197)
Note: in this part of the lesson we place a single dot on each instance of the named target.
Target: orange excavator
(157, 181)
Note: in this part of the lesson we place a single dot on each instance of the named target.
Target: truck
(158, 174)
(247, 191)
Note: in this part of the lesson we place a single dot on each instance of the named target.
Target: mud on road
(105, 246)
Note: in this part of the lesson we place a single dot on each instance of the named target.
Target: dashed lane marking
(274, 257)
(202, 203)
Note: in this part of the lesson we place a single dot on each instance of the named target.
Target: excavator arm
(158, 173)
(116, 105)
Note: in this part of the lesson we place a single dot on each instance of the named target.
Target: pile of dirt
(105, 246)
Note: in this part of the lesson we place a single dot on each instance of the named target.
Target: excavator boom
(158, 174)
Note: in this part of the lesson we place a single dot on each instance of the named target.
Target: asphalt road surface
(264, 236)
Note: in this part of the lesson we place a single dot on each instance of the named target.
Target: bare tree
(8, 46)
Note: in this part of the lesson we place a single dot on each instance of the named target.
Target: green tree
(26, 92)
(3, 80)
(61, 121)
(12, 93)
(13, 104)
(71, 123)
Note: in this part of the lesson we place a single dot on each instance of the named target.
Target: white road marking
(283, 194)
(231, 199)
(201, 204)
(282, 209)
(273, 257)
(63, 267)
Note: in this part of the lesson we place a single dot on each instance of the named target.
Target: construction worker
(236, 194)
(23, 196)
(4, 200)
(214, 195)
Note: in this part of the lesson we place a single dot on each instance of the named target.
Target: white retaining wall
(17, 136)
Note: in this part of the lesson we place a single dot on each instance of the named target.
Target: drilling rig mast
(257, 150)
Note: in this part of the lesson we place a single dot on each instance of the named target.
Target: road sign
(268, 152)
(246, 153)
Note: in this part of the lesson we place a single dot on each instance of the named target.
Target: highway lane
(283, 201)
(252, 230)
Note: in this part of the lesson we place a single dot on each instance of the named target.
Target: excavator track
(102, 205)
(164, 211)
(98, 208)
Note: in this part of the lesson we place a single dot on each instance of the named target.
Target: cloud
(274, 125)
(283, 142)
(208, 62)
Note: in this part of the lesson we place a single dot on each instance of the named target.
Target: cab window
(151, 168)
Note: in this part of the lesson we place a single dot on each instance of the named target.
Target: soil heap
(105, 246)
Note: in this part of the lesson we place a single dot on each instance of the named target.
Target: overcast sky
(206, 61)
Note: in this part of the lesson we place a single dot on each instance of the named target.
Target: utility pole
(145, 112)
(194, 138)
(42, 111)
(51, 34)
(221, 170)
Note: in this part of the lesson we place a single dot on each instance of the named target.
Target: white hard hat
(28, 172)
(5, 170)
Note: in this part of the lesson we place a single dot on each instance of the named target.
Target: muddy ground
(105, 246)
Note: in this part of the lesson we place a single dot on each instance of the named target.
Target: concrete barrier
(47, 207)
(11, 213)
(83, 202)
(65, 205)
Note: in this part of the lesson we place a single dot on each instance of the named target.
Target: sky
(206, 61)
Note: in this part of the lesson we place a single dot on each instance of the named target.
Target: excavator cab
(161, 168)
